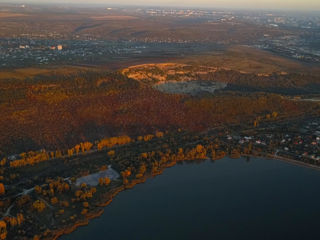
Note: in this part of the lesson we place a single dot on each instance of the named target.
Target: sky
(246, 4)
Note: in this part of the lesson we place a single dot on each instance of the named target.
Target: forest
(59, 111)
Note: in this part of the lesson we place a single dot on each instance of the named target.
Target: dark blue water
(227, 199)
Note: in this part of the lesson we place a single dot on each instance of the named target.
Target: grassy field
(250, 60)
(23, 73)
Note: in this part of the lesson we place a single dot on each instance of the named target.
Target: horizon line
(123, 5)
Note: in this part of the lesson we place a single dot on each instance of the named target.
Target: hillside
(243, 68)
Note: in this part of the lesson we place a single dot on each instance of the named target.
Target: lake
(225, 199)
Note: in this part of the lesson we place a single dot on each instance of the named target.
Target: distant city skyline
(243, 4)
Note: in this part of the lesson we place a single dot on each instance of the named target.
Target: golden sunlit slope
(244, 68)
(241, 59)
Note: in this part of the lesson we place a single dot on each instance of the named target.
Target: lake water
(226, 199)
(190, 87)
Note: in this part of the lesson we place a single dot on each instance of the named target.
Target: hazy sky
(266, 4)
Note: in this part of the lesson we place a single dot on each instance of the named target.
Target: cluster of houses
(296, 143)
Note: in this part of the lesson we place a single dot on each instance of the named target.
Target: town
(86, 43)
(297, 140)
(22, 52)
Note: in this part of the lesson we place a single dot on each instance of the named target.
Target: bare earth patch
(93, 179)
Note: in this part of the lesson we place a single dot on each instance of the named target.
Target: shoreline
(100, 206)
(283, 159)
(109, 196)
(91, 215)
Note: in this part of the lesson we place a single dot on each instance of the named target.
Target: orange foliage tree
(2, 189)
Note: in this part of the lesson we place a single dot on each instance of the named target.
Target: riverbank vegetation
(44, 200)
